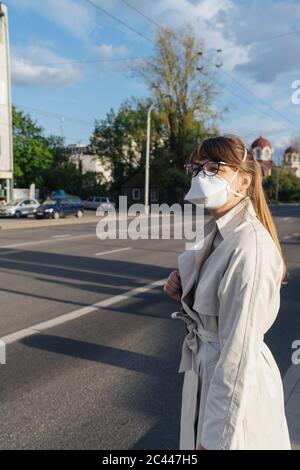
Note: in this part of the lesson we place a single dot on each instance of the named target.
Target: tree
(183, 114)
(31, 152)
(120, 138)
(59, 152)
(183, 94)
(289, 186)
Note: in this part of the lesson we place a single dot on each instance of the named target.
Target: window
(136, 194)
(74, 201)
(257, 153)
(153, 194)
(66, 202)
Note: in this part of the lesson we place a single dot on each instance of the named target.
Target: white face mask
(211, 191)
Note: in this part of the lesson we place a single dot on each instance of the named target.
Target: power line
(223, 71)
(255, 96)
(262, 39)
(124, 59)
(141, 13)
(57, 116)
(95, 5)
(54, 115)
(70, 62)
(249, 102)
(258, 98)
(268, 38)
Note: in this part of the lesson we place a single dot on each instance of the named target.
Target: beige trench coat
(232, 396)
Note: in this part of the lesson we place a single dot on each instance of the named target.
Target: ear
(245, 181)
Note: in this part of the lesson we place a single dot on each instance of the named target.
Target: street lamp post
(148, 156)
(147, 161)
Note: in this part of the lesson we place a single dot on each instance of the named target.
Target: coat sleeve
(249, 288)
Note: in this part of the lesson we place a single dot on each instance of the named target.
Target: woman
(229, 288)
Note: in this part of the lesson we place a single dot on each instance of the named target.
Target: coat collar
(229, 221)
(190, 261)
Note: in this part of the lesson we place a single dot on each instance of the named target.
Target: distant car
(103, 202)
(19, 208)
(55, 208)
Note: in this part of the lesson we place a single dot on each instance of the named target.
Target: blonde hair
(231, 149)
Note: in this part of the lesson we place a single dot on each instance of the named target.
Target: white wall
(6, 161)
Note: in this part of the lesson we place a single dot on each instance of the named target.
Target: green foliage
(183, 114)
(45, 161)
(289, 186)
(120, 138)
(183, 94)
(31, 153)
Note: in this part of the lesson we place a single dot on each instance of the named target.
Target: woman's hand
(173, 286)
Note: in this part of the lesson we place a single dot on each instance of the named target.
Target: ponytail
(263, 213)
(231, 149)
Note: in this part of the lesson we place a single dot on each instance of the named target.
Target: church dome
(261, 142)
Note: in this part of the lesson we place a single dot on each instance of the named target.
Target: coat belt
(191, 343)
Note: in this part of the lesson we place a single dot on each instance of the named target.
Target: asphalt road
(104, 377)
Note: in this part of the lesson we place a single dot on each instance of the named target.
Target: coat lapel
(190, 262)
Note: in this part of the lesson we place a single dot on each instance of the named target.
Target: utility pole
(278, 172)
(61, 123)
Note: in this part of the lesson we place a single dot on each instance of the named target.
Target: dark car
(55, 208)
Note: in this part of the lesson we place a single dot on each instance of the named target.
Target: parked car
(55, 208)
(19, 208)
(103, 202)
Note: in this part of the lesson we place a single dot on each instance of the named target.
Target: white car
(103, 202)
(19, 208)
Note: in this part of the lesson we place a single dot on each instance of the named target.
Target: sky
(68, 60)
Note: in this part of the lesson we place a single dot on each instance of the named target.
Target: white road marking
(61, 236)
(112, 251)
(41, 242)
(11, 252)
(287, 237)
(45, 325)
(76, 237)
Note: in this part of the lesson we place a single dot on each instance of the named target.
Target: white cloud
(72, 15)
(32, 67)
(267, 68)
(108, 51)
(234, 26)
(266, 60)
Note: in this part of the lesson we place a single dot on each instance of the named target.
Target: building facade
(6, 141)
(263, 152)
(82, 156)
(291, 160)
